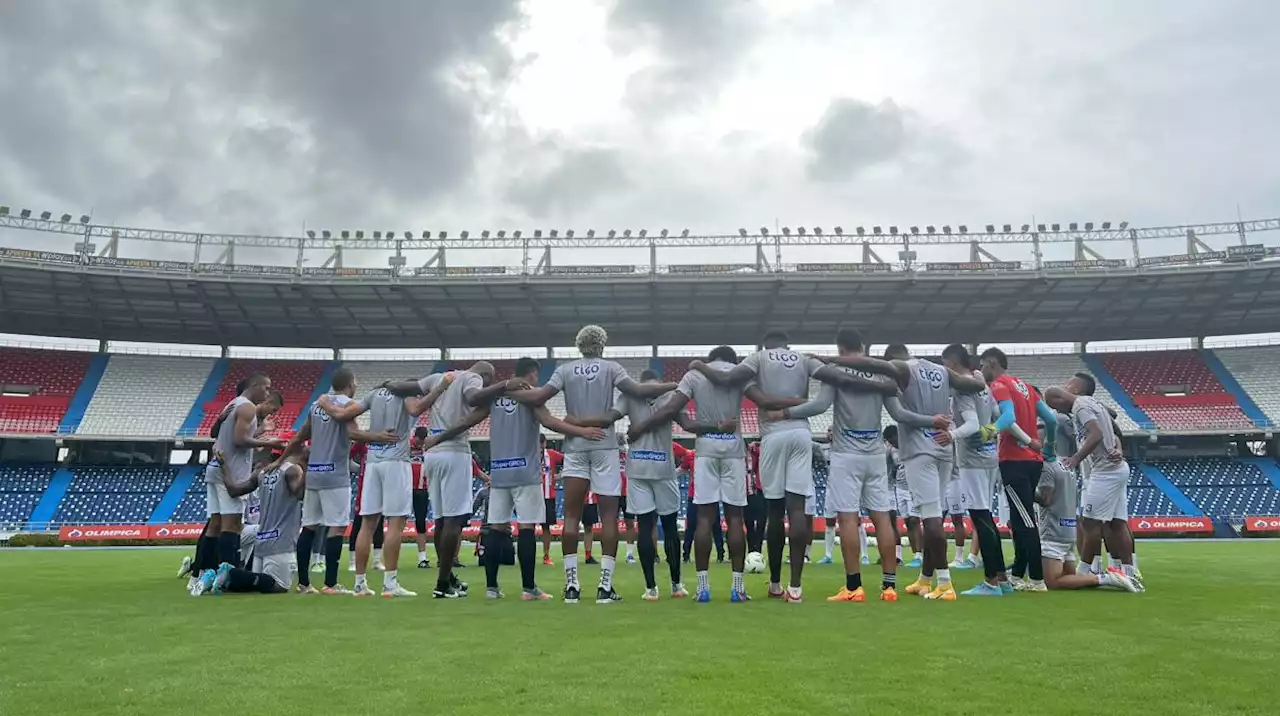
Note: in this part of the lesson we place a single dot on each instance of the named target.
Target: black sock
(229, 548)
(305, 541)
(671, 543)
(332, 559)
(208, 553)
(379, 534)
(852, 581)
(646, 548)
(491, 559)
(889, 580)
(527, 555)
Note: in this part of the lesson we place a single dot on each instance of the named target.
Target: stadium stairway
(1157, 477)
(1233, 387)
(80, 401)
(173, 495)
(191, 425)
(1267, 467)
(1117, 391)
(322, 386)
(43, 514)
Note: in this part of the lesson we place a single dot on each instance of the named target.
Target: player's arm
(643, 391)
(663, 413)
(294, 445)
(968, 426)
(241, 435)
(898, 370)
(368, 436)
(295, 479)
(820, 404)
(477, 397)
(844, 380)
(1044, 489)
(912, 419)
(599, 421)
(470, 420)
(419, 405)
(236, 489)
(342, 413)
(564, 427)
(769, 402)
(701, 427)
(412, 388)
(735, 376)
(1050, 419)
(1092, 438)
(539, 395)
(966, 383)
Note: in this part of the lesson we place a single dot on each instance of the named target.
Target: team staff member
(552, 461)
(421, 496)
(757, 509)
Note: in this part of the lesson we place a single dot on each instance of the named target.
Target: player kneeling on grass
(279, 521)
(1056, 499)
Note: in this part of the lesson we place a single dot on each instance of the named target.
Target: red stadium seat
(50, 377)
(1177, 389)
(296, 381)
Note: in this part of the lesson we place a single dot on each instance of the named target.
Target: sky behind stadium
(268, 117)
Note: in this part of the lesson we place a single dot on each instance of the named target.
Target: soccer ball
(755, 563)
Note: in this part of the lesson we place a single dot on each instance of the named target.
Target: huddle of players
(775, 378)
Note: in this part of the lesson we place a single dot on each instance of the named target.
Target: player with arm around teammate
(1055, 503)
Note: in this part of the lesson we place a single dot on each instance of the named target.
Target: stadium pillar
(226, 351)
(550, 353)
(1198, 343)
(1081, 347)
(444, 353)
(102, 345)
(653, 350)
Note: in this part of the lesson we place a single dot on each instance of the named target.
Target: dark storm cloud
(571, 183)
(698, 44)
(853, 135)
(244, 115)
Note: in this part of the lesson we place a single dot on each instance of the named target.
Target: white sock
(389, 581)
(1128, 569)
(1135, 561)
(377, 554)
(571, 570)
(862, 538)
(806, 550)
(944, 576)
(361, 583)
(829, 539)
(898, 551)
(775, 587)
(1102, 578)
(1096, 565)
(737, 582)
(422, 555)
(606, 572)
(702, 580)
(631, 551)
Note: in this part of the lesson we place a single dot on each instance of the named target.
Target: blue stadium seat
(1223, 486)
(114, 495)
(21, 487)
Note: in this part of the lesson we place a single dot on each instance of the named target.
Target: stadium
(107, 447)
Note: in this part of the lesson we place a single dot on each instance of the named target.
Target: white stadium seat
(1258, 371)
(145, 395)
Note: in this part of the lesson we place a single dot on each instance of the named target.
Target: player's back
(973, 451)
(588, 385)
(329, 465)
(649, 456)
(387, 411)
(452, 408)
(1058, 520)
(928, 392)
(239, 459)
(513, 444)
(715, 404)
(280, 518)
(783, 373)
(856, 419)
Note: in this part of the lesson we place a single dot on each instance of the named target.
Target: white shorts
(330, 507)
(220, 502)
(645, 496)
(720, 479)
(953, 503)
(601, 467)
(526, 501)
(248, 537)
(902, 501)
(388, 489)
(276, 566)
(1002, 507)
(811, 505)
(856, 483)
(786, 464)
(927, 479)
(977, 485)
(1062, 551)
(449, 482)
(1106, 495)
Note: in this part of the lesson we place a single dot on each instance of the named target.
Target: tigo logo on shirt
(588, 370)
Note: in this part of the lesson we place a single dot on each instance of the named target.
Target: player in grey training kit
(588, 384)
(774, 379)
(1055, 512)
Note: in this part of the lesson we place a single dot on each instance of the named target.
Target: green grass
(113, 632)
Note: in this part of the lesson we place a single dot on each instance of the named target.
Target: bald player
(781, 378)
(588, 384)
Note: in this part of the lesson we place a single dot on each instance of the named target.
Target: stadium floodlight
(591, 233)
(817, 231)
(25, 213)
(408, 236)
(1026, 227)
(377, 235)
(502, 233)
(466, 235)
(946, 229)
(390, 234)
(800, 230)
(742, 232)
(66, 218)
(991, 229)
(1073, 226)
(786, 231)
(1106, 226)
(862, 231)
(930, 230)
(326, 234)
(644, 233)
(4, 211)
(311, 234)
(893, 230)
(444, 235)
(964, 229)
(1056, 227)
(360, 233)
(684, 233)
(537, 233)
(569, 234)
(345, 234)
(612, 233)
(1007, 228)
(516, 234)
(626, 233)
(876, 230)
(915, 229)
(426, 234)
(839, 231)
(1040, 228)
(764, 231)
(484, 234)
(1124, 225)
(45, 215)
(554, 233)
(664, 232)
(1088, 226)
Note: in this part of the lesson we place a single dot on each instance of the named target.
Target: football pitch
(113, 632)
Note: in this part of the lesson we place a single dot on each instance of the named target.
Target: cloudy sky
(251, 116)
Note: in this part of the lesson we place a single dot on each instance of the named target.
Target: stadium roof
(115, 303)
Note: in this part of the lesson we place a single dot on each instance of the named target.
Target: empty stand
(145, 395)
(36, 386)
(1257, 369)
(1223, 486)
(1177, 390)
(296, 381)
(21, 487)
(1044, 371)
(113, 495)
(371, 374)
